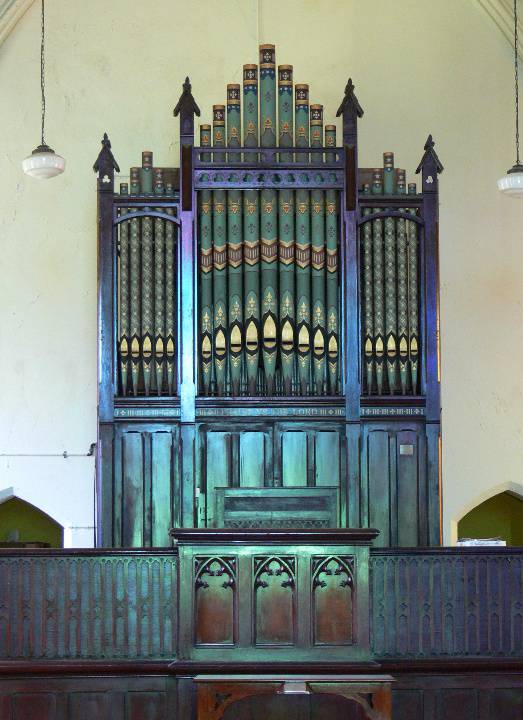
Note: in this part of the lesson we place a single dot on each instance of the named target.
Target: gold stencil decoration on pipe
(123, 304)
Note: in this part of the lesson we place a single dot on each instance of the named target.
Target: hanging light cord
(516, 77)
(42, 71)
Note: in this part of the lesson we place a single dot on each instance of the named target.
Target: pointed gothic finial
(429, 156)
(186, 103)
(350, 101)
(105, 164)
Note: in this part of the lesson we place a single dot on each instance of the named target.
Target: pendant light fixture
(512, 183)
(43, 162)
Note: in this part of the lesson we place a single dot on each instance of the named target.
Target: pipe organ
(268, 325)
(268, 467)
(269, 404)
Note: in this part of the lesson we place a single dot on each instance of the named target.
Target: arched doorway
(23, 524)
(501, 516)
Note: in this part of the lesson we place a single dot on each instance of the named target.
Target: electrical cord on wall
(65, 454)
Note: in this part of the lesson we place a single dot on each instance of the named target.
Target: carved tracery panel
(275, 601)
(215, 600)
(333, 588)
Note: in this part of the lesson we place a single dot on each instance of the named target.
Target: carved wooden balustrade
(94, 605)
(87, 605)
(447, 603)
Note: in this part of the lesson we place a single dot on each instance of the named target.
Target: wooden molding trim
(10, 13)
(502, 13)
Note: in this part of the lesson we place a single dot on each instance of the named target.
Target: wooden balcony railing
(98, 605)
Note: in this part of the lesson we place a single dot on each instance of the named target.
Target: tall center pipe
(269, 220)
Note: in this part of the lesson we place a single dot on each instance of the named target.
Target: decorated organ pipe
(135, 287)
(303, 244)
(413, 275)
(401, 236)
(123, 302)
(287, 272)
(146, 182)
(206, 273)
(250, 110)
(285, 110)
(159, 287)
(318, 258)
(269, 279)
(331, 240)
(251, 233)
(268, 221)
(234, 246)
(390, 276)
(286, 235)
(267, 96)
(219, 261)
(170, 305)
(389, 177)
(378, 286)
(368, 296)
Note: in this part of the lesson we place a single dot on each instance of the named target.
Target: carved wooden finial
(350, 101)
(106, 164)
(186, 103)
(430, 157)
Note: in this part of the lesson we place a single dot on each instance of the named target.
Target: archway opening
(24, 525)
(501, 516)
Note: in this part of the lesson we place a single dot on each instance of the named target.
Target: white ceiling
(500, 12)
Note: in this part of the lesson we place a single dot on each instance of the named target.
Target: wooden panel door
(236, 456)
(309, 454)
(393, 483)
(146, 485)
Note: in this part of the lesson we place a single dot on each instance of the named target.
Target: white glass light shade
(43, 163)
(512, 183)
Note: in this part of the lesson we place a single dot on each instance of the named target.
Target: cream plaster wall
(419, 66)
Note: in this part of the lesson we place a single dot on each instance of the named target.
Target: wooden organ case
(269, 383)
